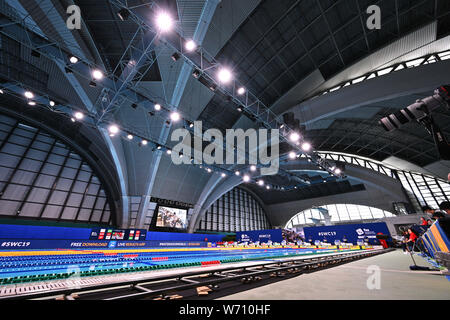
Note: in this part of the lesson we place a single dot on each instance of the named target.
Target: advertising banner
(16, 244)
(351, 232)
(262, 236)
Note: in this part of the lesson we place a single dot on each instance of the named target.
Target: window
(337, 212)
(236, 210)
(43, 178)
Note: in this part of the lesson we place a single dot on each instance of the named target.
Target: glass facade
(236, 210)
(338, 213)
(421, 189)
(43, 178)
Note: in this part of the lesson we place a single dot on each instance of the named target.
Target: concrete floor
(349, 282)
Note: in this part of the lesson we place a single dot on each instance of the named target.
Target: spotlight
(73, 59)
(175, 116)
(337, 171)
(212, 87)
(261, 183)
(246, 178)
(144, 142)
(130, 137)
(164, 22)
(252, 168)
(73, 120)
(32, 103)
(79, 115)
(123, 14)
(306, 146)
(113, 129)
(282, 126)
(92, 84)
(29, 94)
(51, 103)
(224, 75)
(191, 125)
(169, 151)
(196, 73)
(239, 109)
(175, 56)
(223, 175)
(237, 173)
(241, 91)
(294, 137)
(158, 147)
(97, 74)
(268, 187)
(292, 155)
(157, 107)
(1, 91)
(190, 45)
(209, 170)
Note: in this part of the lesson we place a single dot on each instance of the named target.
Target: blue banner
(31, 232)
(13, 231)
(262, 236)
(352, 232)
(15, 244)
(180, 236)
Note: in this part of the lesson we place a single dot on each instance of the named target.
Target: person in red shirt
(412, 239)
(423, 222)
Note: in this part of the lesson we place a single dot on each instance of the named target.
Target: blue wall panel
(10, 231)
(353, 232)
(262, 236)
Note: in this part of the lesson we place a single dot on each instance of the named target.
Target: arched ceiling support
(391, 86)
(29, 29)
(212, 191)
(199, 34)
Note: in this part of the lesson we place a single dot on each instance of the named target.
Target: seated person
(412, 237)
(444, 207)
(443, 212)
(344, 239)
(428, 210)
(366, 240)
(423, 221)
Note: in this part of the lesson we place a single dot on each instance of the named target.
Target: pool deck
(349, 282)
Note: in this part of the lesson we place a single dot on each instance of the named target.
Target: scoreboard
(118, 234)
